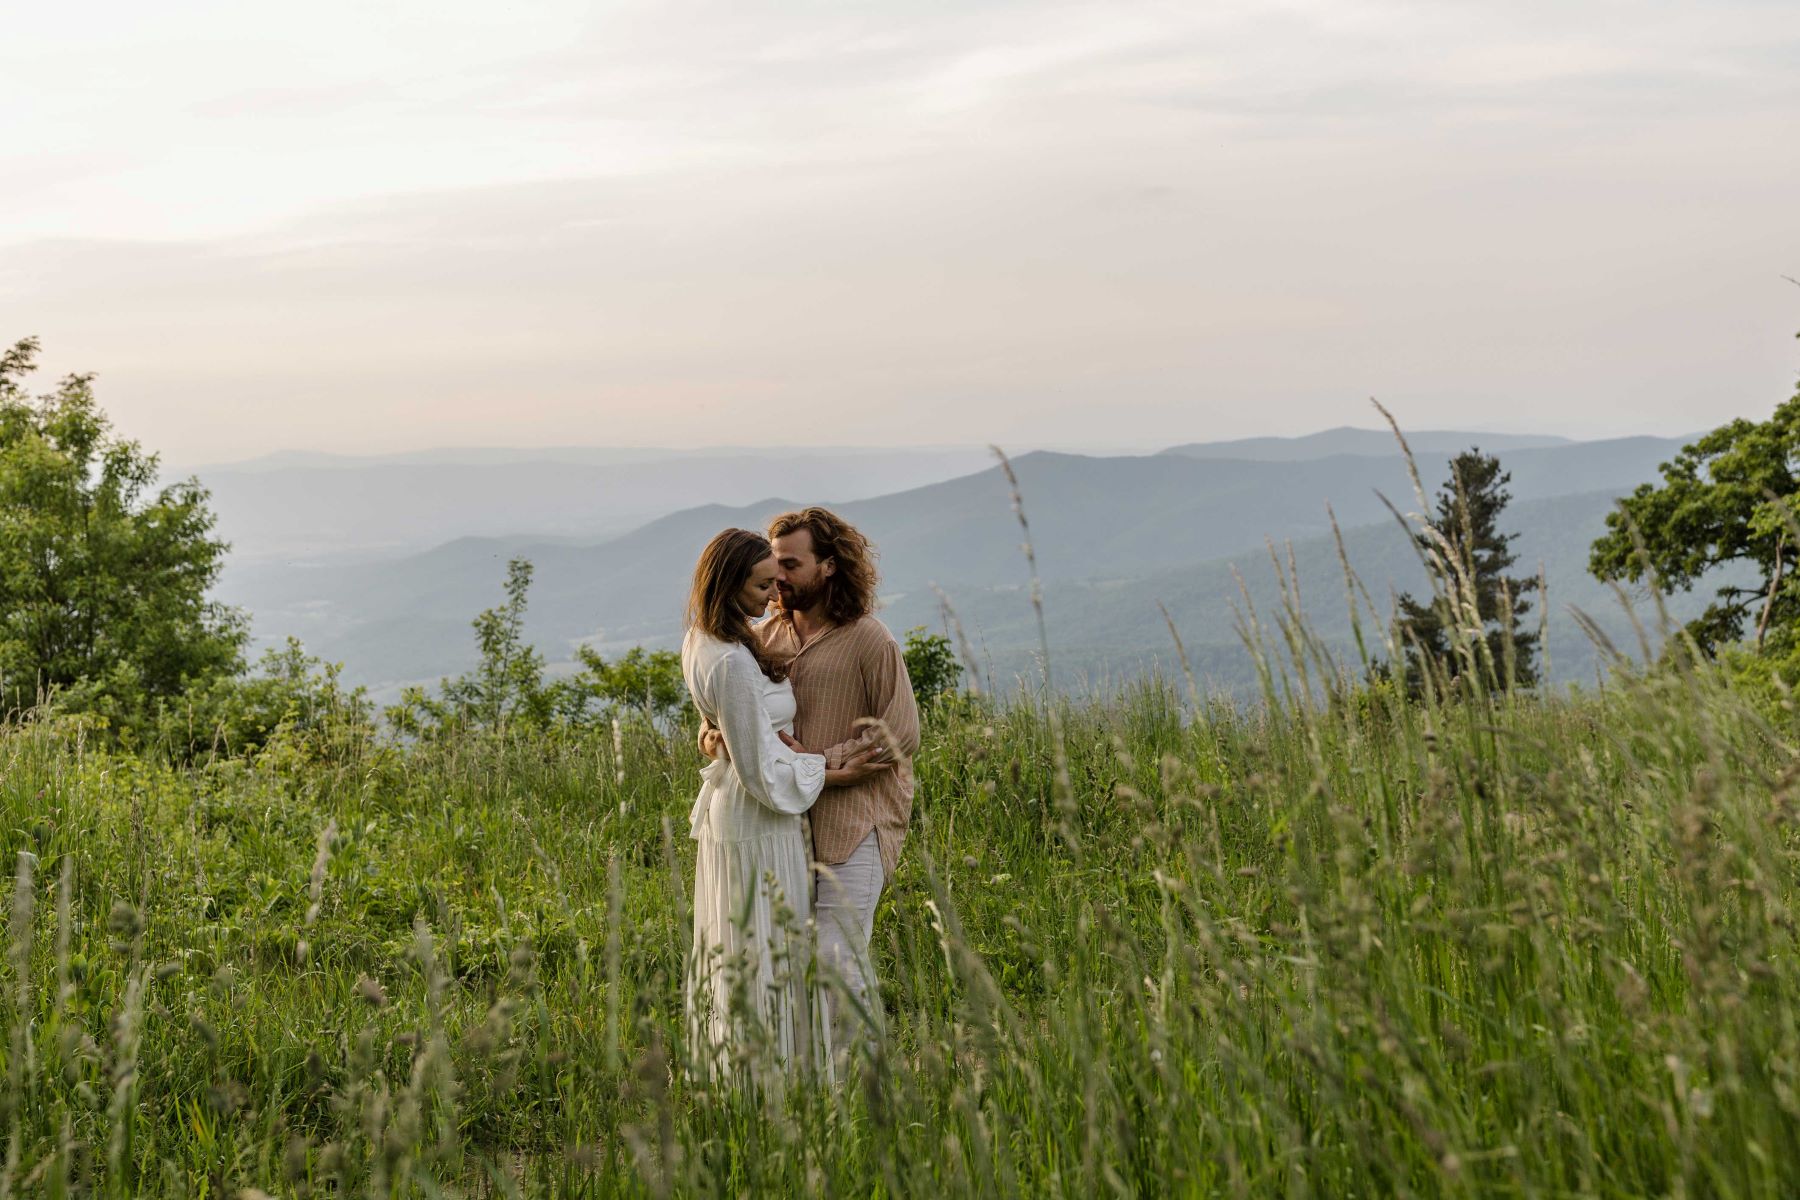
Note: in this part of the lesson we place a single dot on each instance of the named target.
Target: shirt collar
(786, 628)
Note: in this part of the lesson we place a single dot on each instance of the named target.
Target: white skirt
(752, 1002)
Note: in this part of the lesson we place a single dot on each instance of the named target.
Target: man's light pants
(844, 909)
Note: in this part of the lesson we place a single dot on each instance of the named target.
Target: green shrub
(931, 666)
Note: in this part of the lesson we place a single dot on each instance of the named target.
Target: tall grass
(1340, 944)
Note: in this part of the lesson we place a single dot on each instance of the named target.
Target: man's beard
(797, 599)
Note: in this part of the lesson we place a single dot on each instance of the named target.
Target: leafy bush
(931, 665)
(508, 689)
(644, 683)
(292, 700)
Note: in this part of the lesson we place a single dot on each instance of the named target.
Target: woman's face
(758, 589)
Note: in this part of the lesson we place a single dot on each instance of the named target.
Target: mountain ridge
(1361, 442)
(1097, 522)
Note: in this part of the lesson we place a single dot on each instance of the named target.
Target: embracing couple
(808, 718)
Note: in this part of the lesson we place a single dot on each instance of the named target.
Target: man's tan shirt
(845, 673)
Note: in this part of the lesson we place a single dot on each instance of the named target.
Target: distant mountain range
(479, 456)
(1114, 536)
(1372, 443)
(324, 507)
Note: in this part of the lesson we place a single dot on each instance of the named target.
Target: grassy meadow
(1346, 946)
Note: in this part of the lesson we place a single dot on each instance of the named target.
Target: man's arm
(895, 713)
(711, 741)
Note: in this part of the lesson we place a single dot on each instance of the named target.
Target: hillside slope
(1106, 531)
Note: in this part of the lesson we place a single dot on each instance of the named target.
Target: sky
(372, 227)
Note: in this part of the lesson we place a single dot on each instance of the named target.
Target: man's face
(799, 575)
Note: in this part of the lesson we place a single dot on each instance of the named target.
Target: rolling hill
(333, 508)
(1112, 534)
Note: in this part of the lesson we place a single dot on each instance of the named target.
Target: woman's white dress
(749, 998)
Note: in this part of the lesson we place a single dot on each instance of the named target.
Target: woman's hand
(859, 767)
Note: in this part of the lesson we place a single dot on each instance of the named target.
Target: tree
(508, 689)
(647, 683)
(931, 665)
(1474, 619)
(1726, 501)
(103, 581)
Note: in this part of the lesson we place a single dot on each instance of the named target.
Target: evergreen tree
(1469, 558)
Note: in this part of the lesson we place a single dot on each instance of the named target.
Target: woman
(749, 996)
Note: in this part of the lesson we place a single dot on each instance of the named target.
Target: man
(852, 691)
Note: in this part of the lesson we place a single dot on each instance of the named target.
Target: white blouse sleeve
(778, 777)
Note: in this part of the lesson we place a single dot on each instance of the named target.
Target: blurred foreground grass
(1533, 946)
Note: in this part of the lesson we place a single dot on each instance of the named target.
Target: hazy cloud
(1071, 223)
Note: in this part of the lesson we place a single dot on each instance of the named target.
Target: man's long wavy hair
(719, 576)
(850, 591)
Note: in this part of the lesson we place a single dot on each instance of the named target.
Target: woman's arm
(863, 764)
(779, 778)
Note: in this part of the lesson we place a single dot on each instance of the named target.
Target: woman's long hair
(719, 576)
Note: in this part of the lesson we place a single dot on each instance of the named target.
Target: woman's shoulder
(703, 648)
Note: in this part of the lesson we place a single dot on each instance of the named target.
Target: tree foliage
(1474, 619)
(931, 665)
(1726, 501)
(645, 683)
(103, 578)
(291, 700)
(508, 688)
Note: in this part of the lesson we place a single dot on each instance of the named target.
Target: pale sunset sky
(369, 227)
